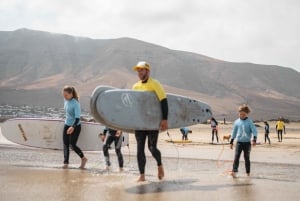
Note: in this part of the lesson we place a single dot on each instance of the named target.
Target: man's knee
(152, 149)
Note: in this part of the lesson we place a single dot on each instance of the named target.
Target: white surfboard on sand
(137, 110)
(47, 133)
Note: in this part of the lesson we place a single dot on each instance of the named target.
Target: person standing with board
(72, 126)
(147, 83)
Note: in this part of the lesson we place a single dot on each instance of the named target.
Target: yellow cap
(141, 65)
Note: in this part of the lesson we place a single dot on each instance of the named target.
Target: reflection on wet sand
(30, 174)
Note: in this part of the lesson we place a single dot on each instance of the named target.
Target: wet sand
(196, 171)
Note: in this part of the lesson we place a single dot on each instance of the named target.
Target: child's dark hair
(244, 108)
(71, 90)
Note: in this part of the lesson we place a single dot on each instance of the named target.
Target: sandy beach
(195, 171)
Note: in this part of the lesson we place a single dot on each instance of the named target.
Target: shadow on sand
(177, 185)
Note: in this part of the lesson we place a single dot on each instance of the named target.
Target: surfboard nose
(208, 111)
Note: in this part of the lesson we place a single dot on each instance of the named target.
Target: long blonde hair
(73, 91)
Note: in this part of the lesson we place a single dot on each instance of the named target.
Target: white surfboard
(47, 133)
(137, 110)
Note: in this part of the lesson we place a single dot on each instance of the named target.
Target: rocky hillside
(34, 65)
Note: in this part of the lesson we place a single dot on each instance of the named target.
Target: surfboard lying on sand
(221, 143)
(179, 141)
(47, 133)
(138, 110)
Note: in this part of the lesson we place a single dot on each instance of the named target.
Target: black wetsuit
(71, 139)
(109, 139)
(267, 131)
(214, 130)
(152, 135)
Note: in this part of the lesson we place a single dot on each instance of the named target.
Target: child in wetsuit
(116, 137)
(243, 130)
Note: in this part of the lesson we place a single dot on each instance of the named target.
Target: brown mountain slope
(35, 61)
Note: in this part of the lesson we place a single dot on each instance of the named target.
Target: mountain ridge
(36, 60)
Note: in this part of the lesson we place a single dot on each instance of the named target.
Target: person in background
(214, 129)
(280, 127)
(185, 131)
(111, 136)
(243, 130)
(72, 126)
(147, 83)
(267, 131)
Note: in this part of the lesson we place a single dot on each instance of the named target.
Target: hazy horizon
(260, 32)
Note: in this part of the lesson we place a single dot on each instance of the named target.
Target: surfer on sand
(267, 131)
(214, 129)
(279, 128)
(72, 126)
(185, 131)
(116, 137)
(146, 83)
(243, 130)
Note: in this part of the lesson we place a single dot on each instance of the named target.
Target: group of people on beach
(280, 128)
(73, 127)
(244, 130)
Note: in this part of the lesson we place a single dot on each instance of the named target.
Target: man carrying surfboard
(147, 83)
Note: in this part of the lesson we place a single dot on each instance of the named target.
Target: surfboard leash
(226, 172)
(129, 160)
(171, 140)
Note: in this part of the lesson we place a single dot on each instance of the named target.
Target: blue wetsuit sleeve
(77, 111)
(234, 132)
(253, 130)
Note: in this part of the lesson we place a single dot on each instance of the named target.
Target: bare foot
(248, 174)
(65, 166)
(141, 178)
(121, 170)
(83, 162)
(161, 172)
(233, 174)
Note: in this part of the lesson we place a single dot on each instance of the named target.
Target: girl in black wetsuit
(72, 126)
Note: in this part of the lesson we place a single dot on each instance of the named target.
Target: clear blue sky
(257, 31)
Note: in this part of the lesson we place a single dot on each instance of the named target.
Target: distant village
(25, 111)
